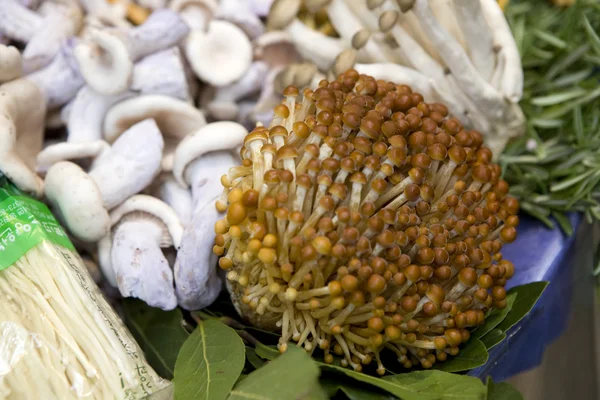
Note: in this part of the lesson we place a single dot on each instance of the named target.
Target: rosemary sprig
(555, 168)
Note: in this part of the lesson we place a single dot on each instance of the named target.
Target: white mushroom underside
(141, 269)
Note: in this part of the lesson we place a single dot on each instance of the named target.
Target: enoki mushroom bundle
(59, 338)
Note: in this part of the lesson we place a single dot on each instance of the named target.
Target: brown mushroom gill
(366, 219)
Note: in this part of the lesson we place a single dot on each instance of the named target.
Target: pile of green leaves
(215, 357)
(555, 168)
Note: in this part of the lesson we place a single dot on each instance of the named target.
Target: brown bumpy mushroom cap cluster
(366, 219)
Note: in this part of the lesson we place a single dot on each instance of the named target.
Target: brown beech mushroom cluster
(365, 219)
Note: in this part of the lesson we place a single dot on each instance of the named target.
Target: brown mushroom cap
(397, 241)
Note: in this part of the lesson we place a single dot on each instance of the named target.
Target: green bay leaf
(209, 363)
(332, 384)
(495, 317)
(159, 333)
(493, 338)
(422, 385)
(502, 391)
(293, 375)
(474, 354)
(527, 296)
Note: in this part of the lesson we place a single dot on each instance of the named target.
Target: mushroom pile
(365, 219)
(98, 116)
(459, 52)
(123, 115)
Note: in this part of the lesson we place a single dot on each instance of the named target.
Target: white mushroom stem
(60, 80)
(87, 114)
(458, 62)
(161, 73)
(196, 279)
(163, 29)
(178, 198)
(106, 56)
(347, 24)
(61, 21)
(214, 137)
(224, 104)
(512, 76)
(64, 151)
(141, 269)
(10, 63)
(131, 164)
(22, 120)
(314, 46)
(477, 35)
(203, 173)
(18, 22)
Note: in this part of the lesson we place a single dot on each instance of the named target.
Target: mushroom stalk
(178, 198)
(197, 282)
(140, 266)
(202, 175)
(60, 80)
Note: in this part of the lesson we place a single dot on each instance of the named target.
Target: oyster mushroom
(60, 80)
(223, 105)
(240, 13)
(195, 13)
(42, 31)
(223, 44)
(177, 197)
(160, 73)
(82, 200)
(385, 236)
(22, 120)
(175, 118)
(132, 258)
(199, 160)
(106, 56)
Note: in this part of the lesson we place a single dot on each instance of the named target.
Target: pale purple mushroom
(82, 200)
(43, 30)
(106, 56)
(132, 253)
(60, 80)
(160, 73)
(200, 160)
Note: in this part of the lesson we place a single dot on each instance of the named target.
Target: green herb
(555, 168)
(495, 317)
(472, 355)
(209, 363)
(293, 375)
(527, 296)
(493, 338)
(502, 391)
(159, 333)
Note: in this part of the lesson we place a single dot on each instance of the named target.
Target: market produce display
(307, 198)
